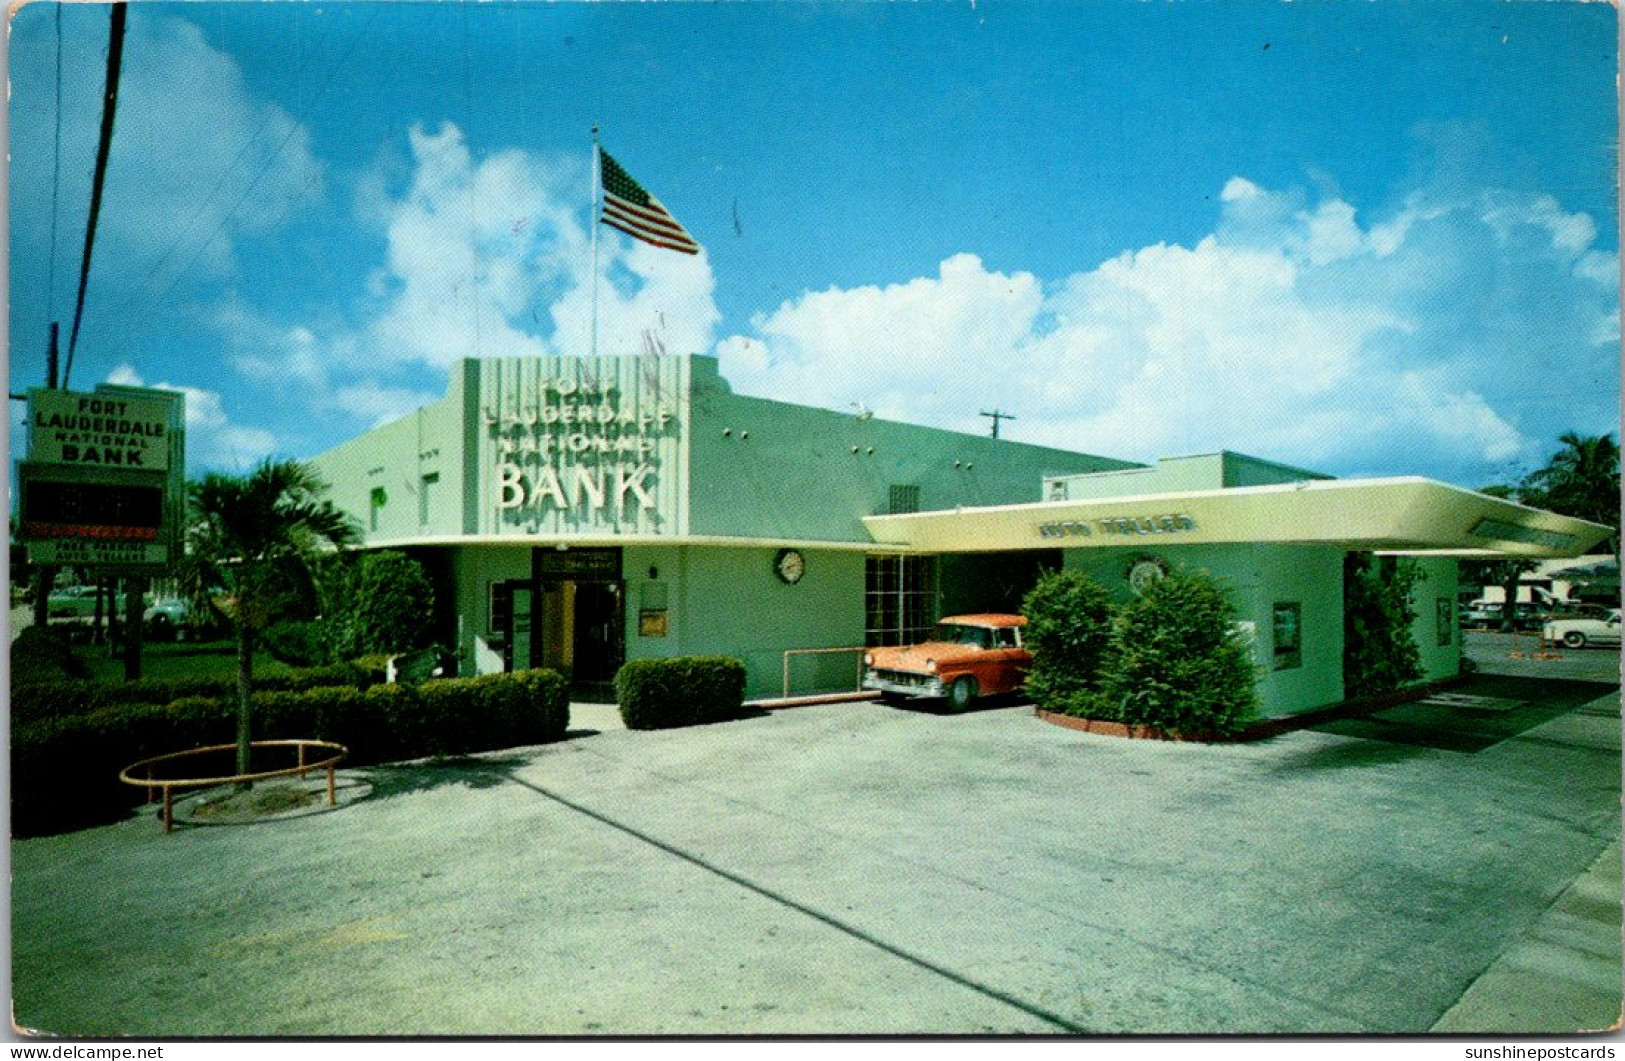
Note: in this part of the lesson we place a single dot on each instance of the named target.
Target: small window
(1288, 628)
(1444, 616)
(499, 615)
(903, 500)
(376, 501)
(425, 489)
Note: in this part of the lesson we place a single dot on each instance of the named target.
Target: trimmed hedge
(65, 769)
(38, 701)
(683, 691)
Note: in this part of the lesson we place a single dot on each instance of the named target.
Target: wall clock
(1143, 571)
(789, 565)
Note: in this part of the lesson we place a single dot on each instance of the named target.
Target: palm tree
(250, 543)
(1581, 479)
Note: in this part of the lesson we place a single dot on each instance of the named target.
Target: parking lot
(854, 868)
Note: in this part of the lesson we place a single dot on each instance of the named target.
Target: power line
(294, 128)
(115, 55)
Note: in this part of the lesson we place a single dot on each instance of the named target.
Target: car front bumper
(903, 683)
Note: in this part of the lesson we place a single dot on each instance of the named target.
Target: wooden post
(134, 605)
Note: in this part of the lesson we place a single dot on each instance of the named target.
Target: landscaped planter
(1263, 728)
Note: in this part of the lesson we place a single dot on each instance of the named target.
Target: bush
(1379, 651)
(1069, 632)
(1177, 665)
(685, 691)
(41, 654)
(38, 701)
(296, 643)
(65, 769)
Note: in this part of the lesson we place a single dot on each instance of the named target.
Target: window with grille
(903, 500)
(900, 599)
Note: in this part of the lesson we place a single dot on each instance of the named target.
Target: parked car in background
(177, 619)
(1580, 632)
(1490, 615)
(966, 656)
(72, 603)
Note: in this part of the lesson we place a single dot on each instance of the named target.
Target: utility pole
(45, 575)
(996, 416)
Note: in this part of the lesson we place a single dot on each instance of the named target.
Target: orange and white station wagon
(967, 656)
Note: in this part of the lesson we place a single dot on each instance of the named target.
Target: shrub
(41, 654)
(1069, 631)
(1177, 665)
(1379, 651)
(297, 643)
(65, 769)
(684, 691)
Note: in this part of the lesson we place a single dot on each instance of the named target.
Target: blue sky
(1371, 238)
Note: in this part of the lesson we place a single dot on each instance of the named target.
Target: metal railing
(169, 784)
(857, 684)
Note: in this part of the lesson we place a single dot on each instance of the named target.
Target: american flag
(637, 213)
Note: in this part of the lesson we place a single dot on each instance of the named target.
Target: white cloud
(1452, 327)
(378, 404)
(198, 160)
(488, 258)
(212, 439)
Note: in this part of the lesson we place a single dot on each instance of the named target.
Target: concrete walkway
(1560, 976)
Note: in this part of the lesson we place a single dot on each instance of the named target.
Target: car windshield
(959, 634)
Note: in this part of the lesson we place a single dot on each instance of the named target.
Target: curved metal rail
(169, 784)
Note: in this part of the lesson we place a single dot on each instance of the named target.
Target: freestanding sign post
(103, 487)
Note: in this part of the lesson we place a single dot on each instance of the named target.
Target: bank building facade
(577, 513)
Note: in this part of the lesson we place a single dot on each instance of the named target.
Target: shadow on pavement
(939, 705)
(1478, 714)
(1352, 756)
(463, 771)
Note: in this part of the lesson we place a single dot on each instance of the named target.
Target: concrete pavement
(862, 869)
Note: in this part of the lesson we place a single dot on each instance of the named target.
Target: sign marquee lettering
(1130, 526)
(576, 450)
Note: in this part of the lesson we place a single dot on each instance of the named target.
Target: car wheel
(1574, 639)
(161, 629)
(961, 693)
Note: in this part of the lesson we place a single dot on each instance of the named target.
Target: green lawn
(217, 659)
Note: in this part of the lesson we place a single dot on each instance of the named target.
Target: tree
(1580, 480)
(251, 541)
(394, 604)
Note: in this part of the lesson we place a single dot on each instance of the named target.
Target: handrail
(817, 652)
(168, 785)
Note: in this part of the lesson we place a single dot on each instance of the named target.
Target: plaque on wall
(652, 622)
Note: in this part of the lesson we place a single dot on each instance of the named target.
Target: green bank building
(577, 513)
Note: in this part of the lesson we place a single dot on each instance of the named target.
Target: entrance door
(599, 648)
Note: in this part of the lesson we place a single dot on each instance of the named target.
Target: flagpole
(597, 182)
